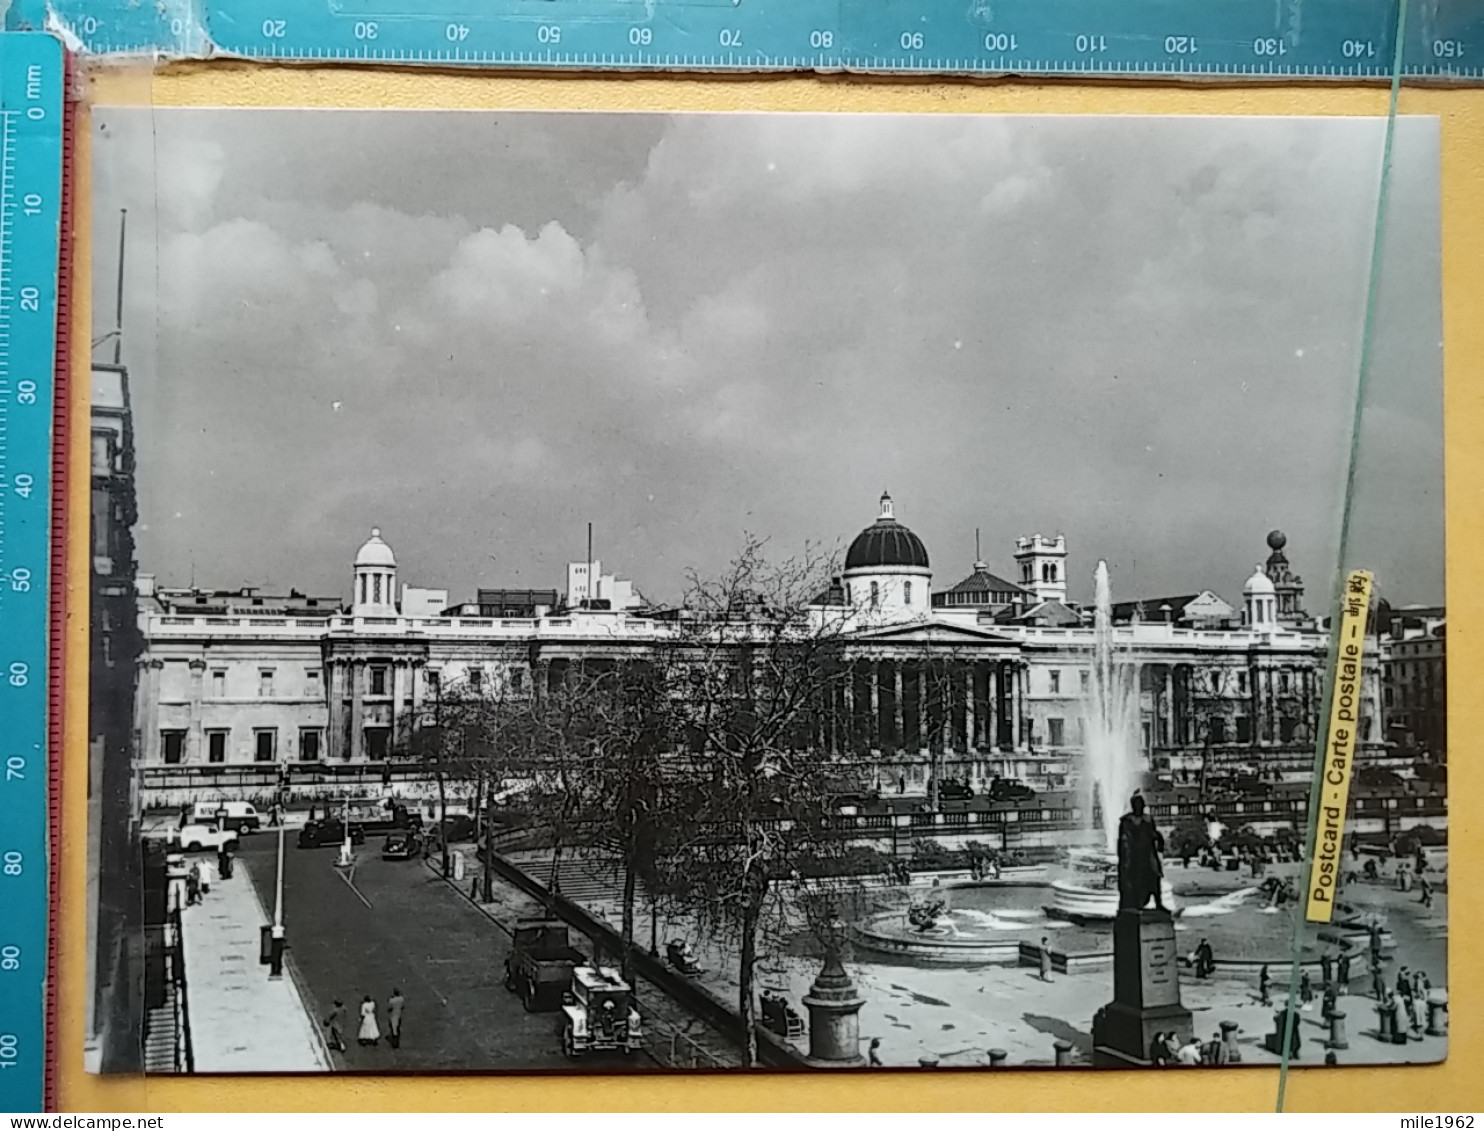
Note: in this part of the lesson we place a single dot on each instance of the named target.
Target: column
(898, 722)
(357, 685)
(993, 686)
(1167, 712)
(149, 739)
(971, 715)
(193, 738)
(873, 739)
(849, 738)
(335, 725)
(416, 675)
(399, 693)
(1015, 675)
(923, 714)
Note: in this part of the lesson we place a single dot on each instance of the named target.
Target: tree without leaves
(755, 691)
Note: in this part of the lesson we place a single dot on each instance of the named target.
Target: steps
(161, 1040)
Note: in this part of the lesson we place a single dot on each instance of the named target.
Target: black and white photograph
(653, 592)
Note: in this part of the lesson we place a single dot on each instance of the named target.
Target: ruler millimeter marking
(31, 121)
(1232, 39)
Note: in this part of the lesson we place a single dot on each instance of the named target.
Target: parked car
(601, 1015)
(1007, 789)
(454, 828)
(955, 791)
(197, 838)
(401, 846)
(317, 834)
(540, 964)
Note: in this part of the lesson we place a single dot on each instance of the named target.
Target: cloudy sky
(479, 332)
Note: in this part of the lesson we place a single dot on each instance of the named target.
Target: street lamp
(276, 937)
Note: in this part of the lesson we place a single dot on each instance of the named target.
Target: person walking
(1205, 960)
(208, 877)
(1342, 971)
(1045, 959)
(394, 1006)
(1263, 982)
(335, 1022)
(1326, 968)
(193, 885)
(369, 1033)
(1378, 983)
(873, 1054)
(1426, 885)
(1306, 988)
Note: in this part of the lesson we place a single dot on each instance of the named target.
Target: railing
(185, 1054)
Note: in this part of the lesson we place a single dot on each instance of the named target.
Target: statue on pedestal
(1140, 859)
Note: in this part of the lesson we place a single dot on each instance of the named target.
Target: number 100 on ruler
(31, 90)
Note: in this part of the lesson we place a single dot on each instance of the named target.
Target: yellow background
(1457, 1085)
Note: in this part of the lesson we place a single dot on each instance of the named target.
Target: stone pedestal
(1063, 1049)
(1437, 1013)
(1386, 1023)
(1229, 1039)
(834, 1017)
(1146, 990)
(1337, 1039)
(997, 1058)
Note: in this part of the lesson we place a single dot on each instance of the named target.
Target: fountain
(1112, 771)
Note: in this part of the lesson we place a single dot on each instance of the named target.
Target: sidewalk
(241, 1020)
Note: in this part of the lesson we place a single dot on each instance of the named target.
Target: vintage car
(540, 964)
(600, 1014)
(331, 830)
(197, 838)
(401, 846)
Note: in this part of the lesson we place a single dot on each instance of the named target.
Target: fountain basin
(1082, 904)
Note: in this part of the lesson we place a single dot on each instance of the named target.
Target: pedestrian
(1403, 983)
(1216, 1050)
(335, 1022)
(1263, 981)
(1426, 899)
(193, 885)
(1045, 959)
(873, 1054)
(1343, 972)
(1326, 968)
(1423, 984)
(1378, 984)
(208, 876)
(1205, 960)
(1306, 988)
(369, 1033)
(1172, 1047)
(1159, 1052)
(394, 1006)
(1190, 1054)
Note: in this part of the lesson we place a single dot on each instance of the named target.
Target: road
(394, 924)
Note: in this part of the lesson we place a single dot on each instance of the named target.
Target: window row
(264, 745)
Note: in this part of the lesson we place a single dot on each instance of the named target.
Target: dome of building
(375, 552)
(886, 542)
(1258, 584)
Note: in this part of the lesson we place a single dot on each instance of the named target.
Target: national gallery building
(986, 679)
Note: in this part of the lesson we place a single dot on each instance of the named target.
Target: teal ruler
(31, 162)
(1214, 39)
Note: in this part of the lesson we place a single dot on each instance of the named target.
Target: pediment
(929, 632)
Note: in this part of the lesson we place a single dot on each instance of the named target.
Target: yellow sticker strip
(1339, 751)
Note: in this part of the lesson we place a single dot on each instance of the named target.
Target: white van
(239, 816)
